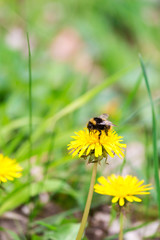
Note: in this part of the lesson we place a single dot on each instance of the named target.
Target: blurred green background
(84, 62)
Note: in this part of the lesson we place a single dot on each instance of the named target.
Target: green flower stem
(88, 203)
(121, 226)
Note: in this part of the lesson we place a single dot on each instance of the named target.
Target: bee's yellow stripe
(92, 121)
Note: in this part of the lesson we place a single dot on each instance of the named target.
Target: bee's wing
(104, 116)
(107, 123)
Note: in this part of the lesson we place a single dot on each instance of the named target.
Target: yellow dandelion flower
(122, 188)
(86, 143)
(9, 169)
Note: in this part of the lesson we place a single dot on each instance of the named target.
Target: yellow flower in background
(122, 188)
(9, 169)
(86, 143)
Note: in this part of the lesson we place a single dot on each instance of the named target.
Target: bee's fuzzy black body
(99, 124)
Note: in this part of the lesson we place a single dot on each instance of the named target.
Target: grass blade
(30, 109)
(154, 131)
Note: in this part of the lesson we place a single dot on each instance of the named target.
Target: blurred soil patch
(100, 224)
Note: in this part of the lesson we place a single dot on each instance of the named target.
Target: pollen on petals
(9, 169)
(122, 188)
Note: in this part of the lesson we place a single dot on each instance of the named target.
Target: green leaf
(20, 195)
(12, 234)
(67, 231)
(57, 219)
(35, 237)
(154, 130)
(48, 226)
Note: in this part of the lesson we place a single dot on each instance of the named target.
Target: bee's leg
(99, 134)
(106, 131)
(90, 130)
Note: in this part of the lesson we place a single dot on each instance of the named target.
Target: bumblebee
(100, 124)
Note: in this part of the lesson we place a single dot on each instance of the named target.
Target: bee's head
(90, 125)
